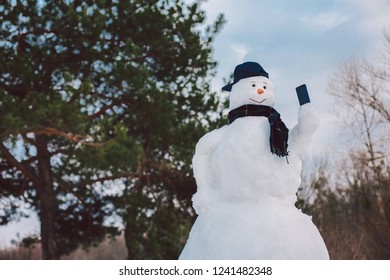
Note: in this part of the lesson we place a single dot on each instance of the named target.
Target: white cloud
(240, 52)
(373, 20)
(280, 35)
(325, 21)
(375, 14)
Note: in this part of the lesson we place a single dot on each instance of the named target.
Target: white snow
(245, 197)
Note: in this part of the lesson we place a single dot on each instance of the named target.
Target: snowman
(247, 175)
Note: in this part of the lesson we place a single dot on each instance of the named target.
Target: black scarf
(279, 132)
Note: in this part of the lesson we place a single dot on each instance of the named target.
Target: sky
(296, 41)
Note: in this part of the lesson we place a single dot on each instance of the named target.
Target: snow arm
(302, 133)
(203, 171)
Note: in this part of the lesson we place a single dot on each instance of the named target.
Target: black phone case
(303, 95)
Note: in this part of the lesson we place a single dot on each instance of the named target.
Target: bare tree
(362, 91)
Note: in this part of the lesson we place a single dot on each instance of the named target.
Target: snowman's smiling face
(257, 90)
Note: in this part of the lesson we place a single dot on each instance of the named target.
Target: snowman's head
(257, 90)
(250, 86)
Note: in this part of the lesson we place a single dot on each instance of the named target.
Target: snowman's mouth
(257, 101)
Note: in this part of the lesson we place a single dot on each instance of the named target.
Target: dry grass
(109, 249)
(21, 253)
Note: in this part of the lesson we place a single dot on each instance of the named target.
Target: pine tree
(101, 103)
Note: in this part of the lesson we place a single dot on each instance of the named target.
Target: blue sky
(296, 41)
(299, 41)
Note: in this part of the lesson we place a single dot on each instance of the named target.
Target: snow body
(246, 195)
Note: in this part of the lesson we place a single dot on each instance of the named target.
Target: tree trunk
(129, 241)
(47, 199)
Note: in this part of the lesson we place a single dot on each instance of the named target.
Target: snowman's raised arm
(203, 171)
(301, 134)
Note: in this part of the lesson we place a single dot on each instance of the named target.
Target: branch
(106, 108)
(24, 162)
(21, 39)
(55, 131)
(6, 183)
(14, 162)
(15, 187)
(380, 108)
(102, 111)
(102, 179)
(18, 91)
(69, 136)
(110, 178)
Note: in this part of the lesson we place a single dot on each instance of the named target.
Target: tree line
(101, 103)
(350, 199)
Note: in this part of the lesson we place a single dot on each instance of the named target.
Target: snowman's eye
(264, 87)
(253, 85)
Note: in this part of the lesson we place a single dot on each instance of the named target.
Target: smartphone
(303, 95)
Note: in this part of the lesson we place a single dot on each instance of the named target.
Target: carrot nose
(260, 91)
